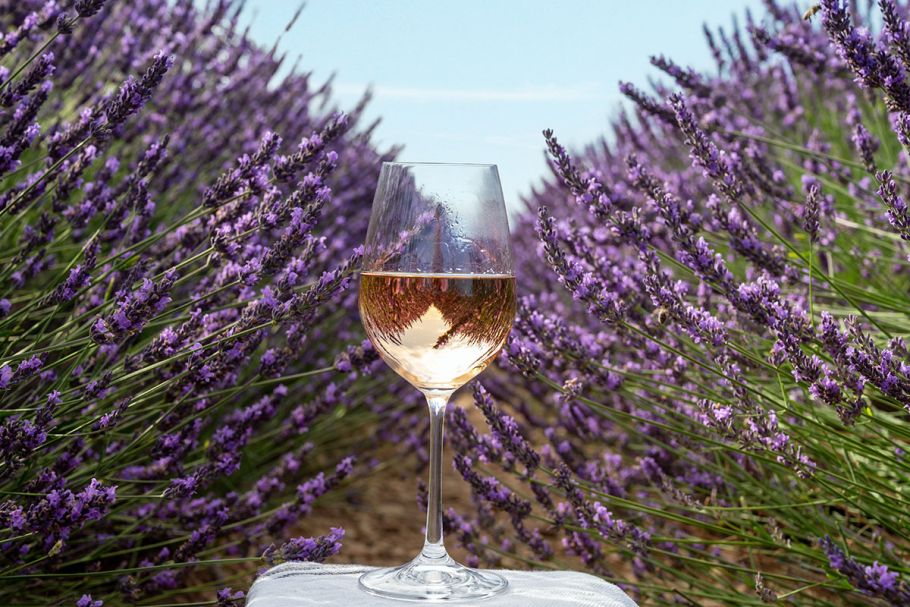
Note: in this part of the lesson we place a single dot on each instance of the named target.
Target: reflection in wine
(437, 330)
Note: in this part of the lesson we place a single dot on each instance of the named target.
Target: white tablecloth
(311, 584)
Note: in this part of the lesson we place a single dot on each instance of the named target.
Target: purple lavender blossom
(86, 601)
(135, 93)
(78, 278)
(793, 46)
(862, 139)
(246, 171)
(645, 103)
(897, 30)
(583, 285)
(32, 18)
(24, 370)
(872, 64)
(595, 516)
(875, 580)
(87, 8)
(134, 310)
(19, 135)
(228, 597)
(40, 72)
(506, 430)
(306, 548)
(811, 207)
(99, 122)
(684, 77)
(897, 212)
(19, 436)
(310, 147)
(64, 24)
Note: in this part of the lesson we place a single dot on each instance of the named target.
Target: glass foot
(432, 579)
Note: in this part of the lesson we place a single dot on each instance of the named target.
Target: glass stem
(433, 547)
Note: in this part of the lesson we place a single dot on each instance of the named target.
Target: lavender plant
(717, 385)
(179, 376)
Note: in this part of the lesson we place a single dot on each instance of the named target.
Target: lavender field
(705, 397)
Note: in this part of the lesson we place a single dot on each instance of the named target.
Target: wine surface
(437, 330)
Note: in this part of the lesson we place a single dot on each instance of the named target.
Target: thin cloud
(523, 142)
(549, 93)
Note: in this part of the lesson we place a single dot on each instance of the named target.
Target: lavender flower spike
(135, 93)
(897, 213)
(87, 8)
(811, 208)
(306, 548)
(897, 29)
(875, 580)
(872, 64)
(506, 430)
(86, 600)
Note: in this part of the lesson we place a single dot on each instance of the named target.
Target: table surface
(312, 584)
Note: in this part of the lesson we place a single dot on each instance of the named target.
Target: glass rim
(453, 164)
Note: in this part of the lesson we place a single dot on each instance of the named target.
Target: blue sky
(477, 80)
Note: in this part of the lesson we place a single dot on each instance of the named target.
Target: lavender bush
(717, 383)
(181, 372)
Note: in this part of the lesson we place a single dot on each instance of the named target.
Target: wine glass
(437, 299)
